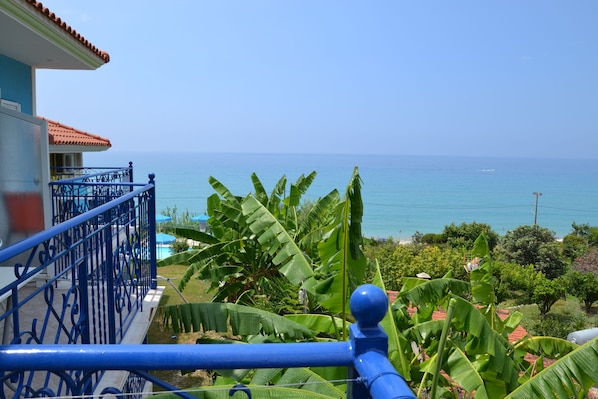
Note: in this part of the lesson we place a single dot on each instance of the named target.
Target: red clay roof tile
(64, 26)
(440, 314)
(60, 134)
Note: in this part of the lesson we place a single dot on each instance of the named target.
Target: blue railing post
(82, 271)
(152, 232)
(377, 379)
(109, 267)
(131, 172)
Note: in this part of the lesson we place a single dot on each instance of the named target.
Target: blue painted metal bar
(174, 357)
(380, 377)
(89, 174)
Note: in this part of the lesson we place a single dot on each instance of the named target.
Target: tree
(533, 245)
(587, 232)
(546, 292)
(584, 278)
(574, 246)
(464, 235)
(585, 287)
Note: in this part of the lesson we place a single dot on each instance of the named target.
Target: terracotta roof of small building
(440, 314)
(68, 29)
(60, 134)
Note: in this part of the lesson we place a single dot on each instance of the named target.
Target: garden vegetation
(281, 272)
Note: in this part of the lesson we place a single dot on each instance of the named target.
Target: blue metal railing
(82, 189)
(93, 174)
(79, 282)
(370, 372)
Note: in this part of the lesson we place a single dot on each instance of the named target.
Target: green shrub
(559, 325)
(514, 281)
(407, 260)
(432, 239)
(179, 246)
(465, 234)
(574, 246)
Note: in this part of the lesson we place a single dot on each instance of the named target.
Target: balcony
(89, 279)
(77, 299)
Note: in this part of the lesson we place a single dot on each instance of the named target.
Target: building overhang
(65, 139)
(35, 36)
(72, 149)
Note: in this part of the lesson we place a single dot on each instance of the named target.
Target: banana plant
(233, 259)
(342, 265)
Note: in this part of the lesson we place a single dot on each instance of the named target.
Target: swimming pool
(163, 251)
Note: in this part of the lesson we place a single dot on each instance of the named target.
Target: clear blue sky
(487, 78)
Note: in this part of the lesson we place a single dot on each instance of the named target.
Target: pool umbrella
(200, 218)
(163, 238)
(162, 218)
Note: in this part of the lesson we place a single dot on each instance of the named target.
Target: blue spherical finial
(368, 304)
(151, 176)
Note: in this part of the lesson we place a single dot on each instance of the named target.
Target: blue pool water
(163, 251)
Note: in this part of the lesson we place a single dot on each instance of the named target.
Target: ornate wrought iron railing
(370, 375)
(82, 281)
(75, 190)
(93, 174)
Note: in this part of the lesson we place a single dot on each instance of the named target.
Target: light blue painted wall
(16, 83)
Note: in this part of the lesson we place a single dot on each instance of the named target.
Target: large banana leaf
(312, 230)
(318, 322)
(260, 191)
(304, 182)
(551, 347)
(223, 190)
(198, 259)
(400, 353)
(467, 375)
(286, 254)
(340, 252)
(243, 320)
(575, 372)
(421, 292)
(195, 235)
(257, 392)
(274, 203)
(482, 340)
(308, 380)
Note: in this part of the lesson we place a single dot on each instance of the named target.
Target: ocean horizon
(402, 195)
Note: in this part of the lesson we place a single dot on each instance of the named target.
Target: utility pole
(536, 212)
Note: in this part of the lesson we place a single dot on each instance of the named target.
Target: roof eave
(70, 149)
(70, 49)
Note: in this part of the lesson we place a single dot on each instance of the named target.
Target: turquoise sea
(402, 194)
